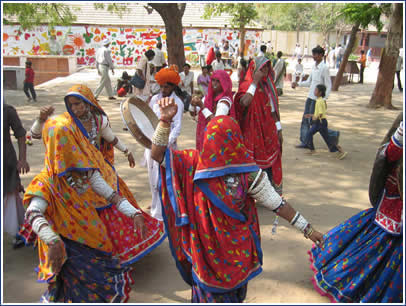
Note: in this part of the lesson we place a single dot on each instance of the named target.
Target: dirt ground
(325, 190)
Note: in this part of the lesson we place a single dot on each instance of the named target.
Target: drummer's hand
(131, 160)
(167, 108)
(140, 226)
(317, 238)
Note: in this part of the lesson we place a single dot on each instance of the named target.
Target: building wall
(128, 43)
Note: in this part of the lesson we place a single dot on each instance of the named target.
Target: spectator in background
(339, 55)
(399, 67)
(159, 58)
(218, 62)
(262, 50)
(202, 50)
(363, 61)
(186, 77)
(305, 51)
(369, 56)
(144, 72)
(103, 64)
(299, 70)
(320, 74)
(124, 85)
(203, 80)
(13, 210)
(280, 72)
(29, 82)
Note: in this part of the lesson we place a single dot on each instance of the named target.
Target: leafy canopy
(241, 13)
(29, 15)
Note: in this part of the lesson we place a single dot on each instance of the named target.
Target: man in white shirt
(217, 63)
(103, 64)
(187, 78)
(320, 74)
(280, 72)
(202, 50)
(262, 50)
(298, 70)
(159, 58)
(339, 55)
(168, 79)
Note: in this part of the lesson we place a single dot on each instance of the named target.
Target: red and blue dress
(213, 227)
(362, 260)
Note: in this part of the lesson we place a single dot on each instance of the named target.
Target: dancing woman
(217, 102)
(362, 261)
(209, 208)
(72, 196)
(257, 109)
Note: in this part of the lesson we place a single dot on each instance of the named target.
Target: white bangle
(127, 209)
(299, 222)
(278, 125)
(251, 90)
(206, 113)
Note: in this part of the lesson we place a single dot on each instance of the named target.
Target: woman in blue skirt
(362, 258)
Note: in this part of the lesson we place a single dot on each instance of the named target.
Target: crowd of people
(90, 230)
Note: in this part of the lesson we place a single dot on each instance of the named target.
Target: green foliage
(326, 16)
(113, 8)
(29, 15)
(241, 13)
(364, 13)
(287, 16)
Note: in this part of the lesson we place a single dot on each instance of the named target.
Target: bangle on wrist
(251, 90)
(308, 231)
(165, 121)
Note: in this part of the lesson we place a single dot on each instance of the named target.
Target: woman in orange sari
(87, 210)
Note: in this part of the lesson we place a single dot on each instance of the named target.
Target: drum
(140, 120)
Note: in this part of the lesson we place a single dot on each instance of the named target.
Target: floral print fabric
(215, 244)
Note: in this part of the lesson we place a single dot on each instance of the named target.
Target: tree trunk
(242, 40)
(382, 95)
(344, 61)
(171, 14)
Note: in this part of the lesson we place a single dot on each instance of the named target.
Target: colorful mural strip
(128, 44)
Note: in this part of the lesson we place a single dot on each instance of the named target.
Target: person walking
(13, 210)
(29, 82)
(280, 72)
(103, 64)
(319, 75)
(159, 58)
(399, 67)
(363, 61)
(320, 124)
(144, 72)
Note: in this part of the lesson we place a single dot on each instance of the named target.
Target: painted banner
(127, 44)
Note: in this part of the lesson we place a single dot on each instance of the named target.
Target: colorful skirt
(88, 276)
(360, 262)
(199, 295)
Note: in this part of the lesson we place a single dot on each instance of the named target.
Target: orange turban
(168, 75)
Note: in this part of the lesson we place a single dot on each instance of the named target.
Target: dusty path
(325, 190)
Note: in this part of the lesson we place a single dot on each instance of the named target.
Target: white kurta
(153, 166)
